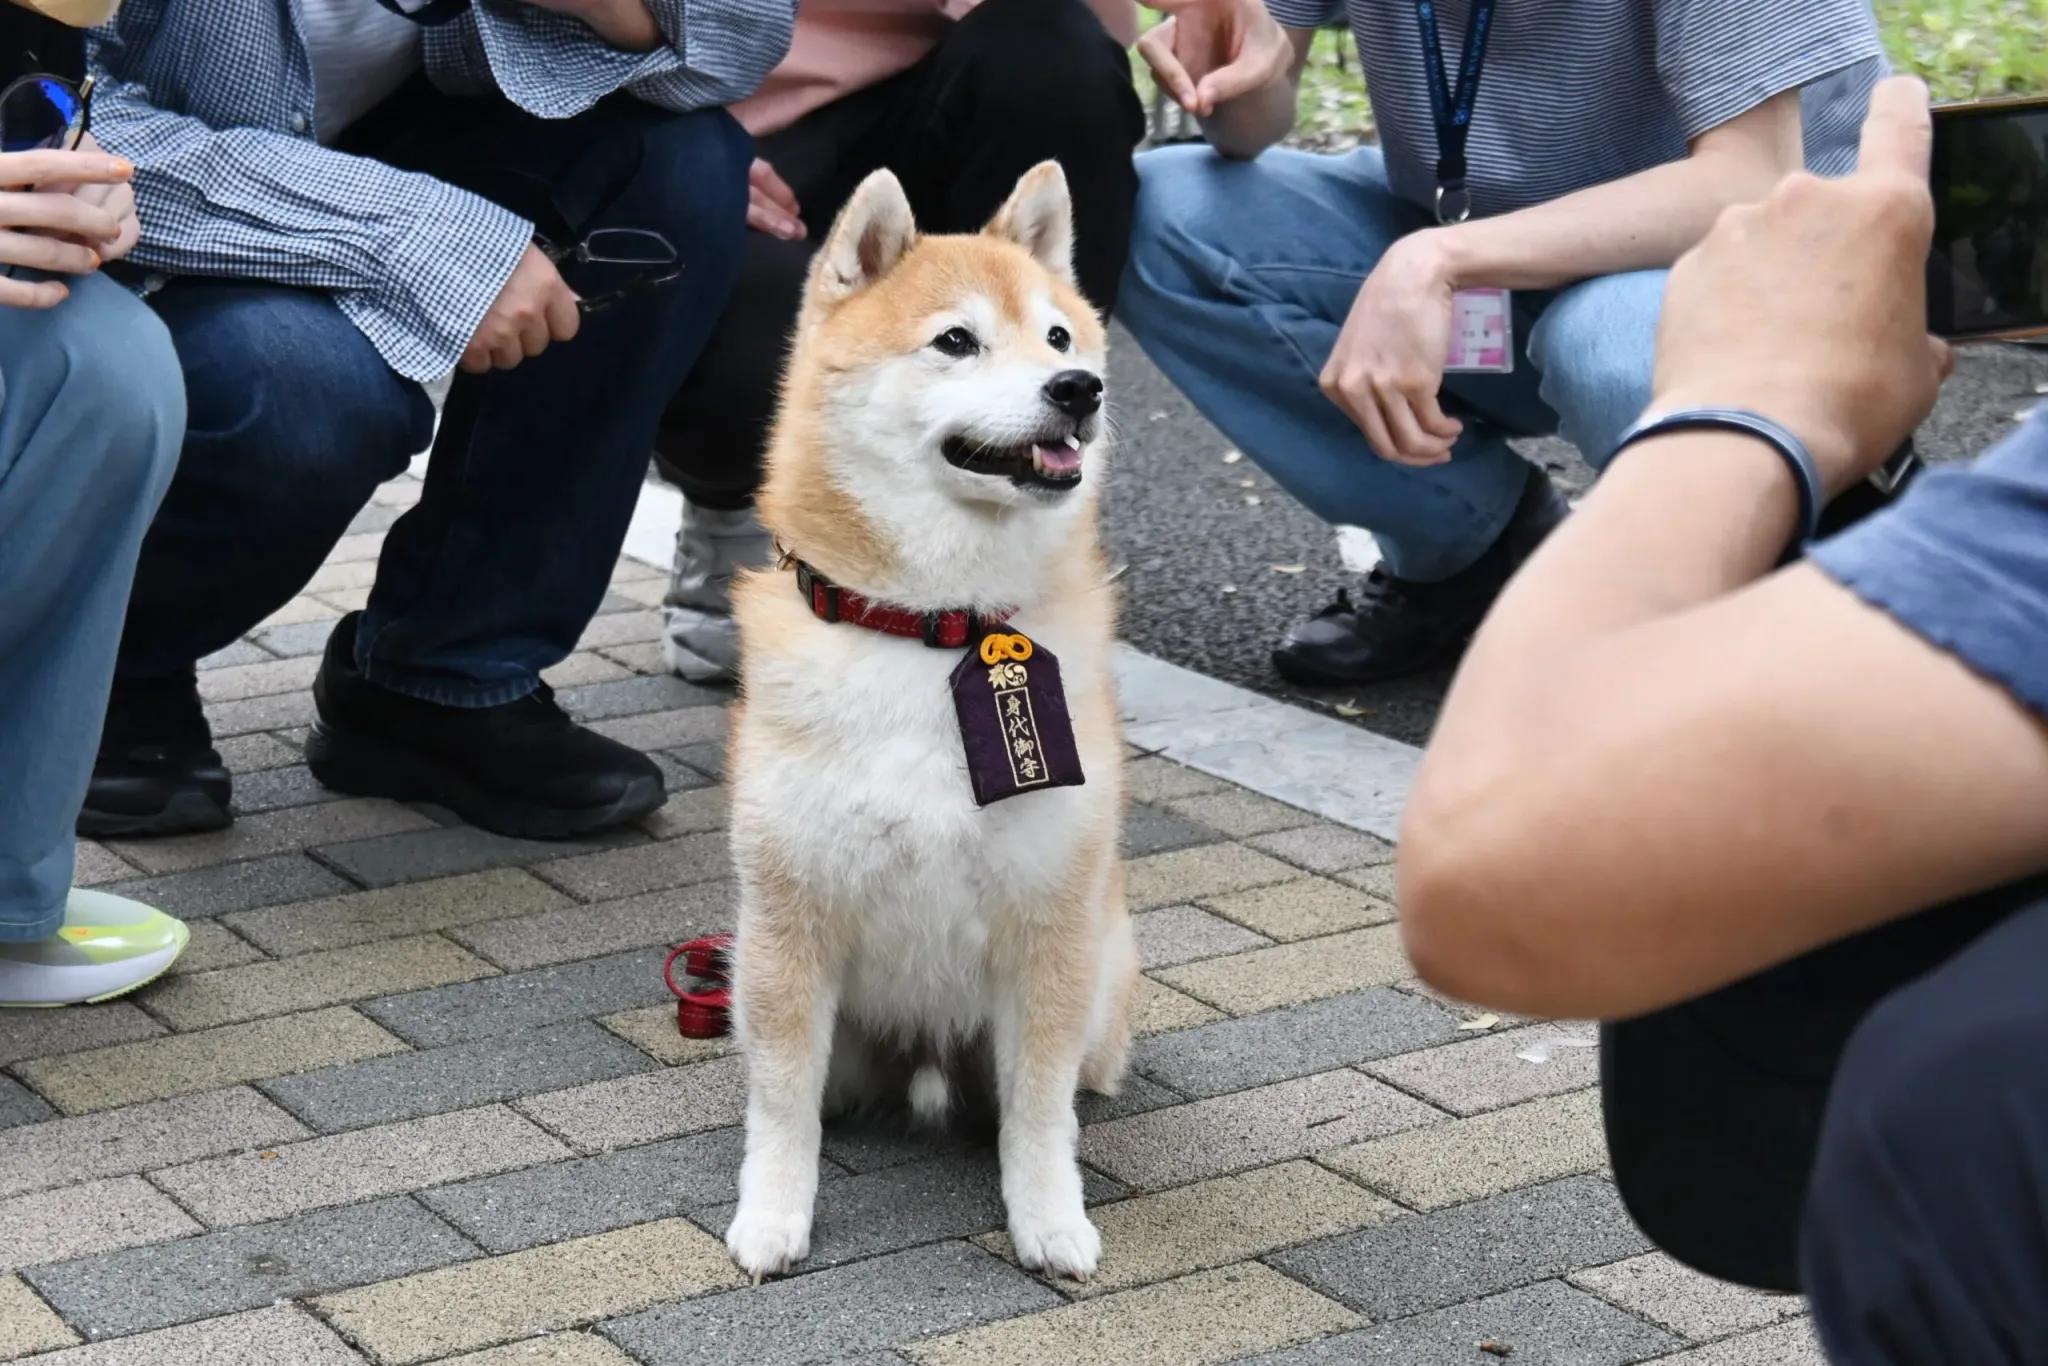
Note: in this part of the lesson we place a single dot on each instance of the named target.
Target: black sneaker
(521, 769)
(1398, 627)
(157, 772)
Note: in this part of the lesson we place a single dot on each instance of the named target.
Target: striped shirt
(1577, 93)
(215, 101)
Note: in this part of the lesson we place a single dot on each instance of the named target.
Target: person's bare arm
(626, 24)
(1386, 370)
(1660, 770)
(1641, 222)
(1228, 63)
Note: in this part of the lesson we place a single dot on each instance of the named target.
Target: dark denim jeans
(295, 418)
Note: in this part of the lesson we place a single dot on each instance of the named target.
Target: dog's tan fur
(882, 915)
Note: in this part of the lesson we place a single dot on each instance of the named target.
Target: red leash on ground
(704, 1014)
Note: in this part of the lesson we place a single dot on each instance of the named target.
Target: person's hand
(625, 24)
(534, 310)
(117, 199)
(1811, 307)
(1388, 363)
(1206, 53)
(57, 232)
(771, 204)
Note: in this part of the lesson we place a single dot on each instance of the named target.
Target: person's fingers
(1156, 48)
(508, 348)
(48, 166)
(764, 178)
(1410, 445)
(564, 318)
(32, 293)
(40, 252)
(1251, 71)
(1430, 413)
(1353, 397)
(764, 215)
(534, 331)
(1898, 135)
(476, 357)
(59, 213)
(1944, 357)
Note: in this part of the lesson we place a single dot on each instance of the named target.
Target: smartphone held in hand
(1987, 276)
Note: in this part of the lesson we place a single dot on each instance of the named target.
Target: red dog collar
(954, 629)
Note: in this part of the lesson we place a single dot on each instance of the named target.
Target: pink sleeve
(1120, 17)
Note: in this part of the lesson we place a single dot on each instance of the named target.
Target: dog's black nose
(1077, 393)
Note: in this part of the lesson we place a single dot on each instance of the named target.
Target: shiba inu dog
(932, 487)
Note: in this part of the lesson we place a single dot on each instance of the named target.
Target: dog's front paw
(1058, 1247)
(768, 1243)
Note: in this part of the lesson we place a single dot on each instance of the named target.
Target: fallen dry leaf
(1496, 1349)
(1251, 500)
(267, 1155)
(1232, 457)
(1228, 588)
(1288, 568)
(1480, 1022)
(1350, 711)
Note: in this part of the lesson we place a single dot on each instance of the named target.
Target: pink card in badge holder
(1482, 333)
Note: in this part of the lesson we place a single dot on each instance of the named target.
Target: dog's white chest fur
(858, 781)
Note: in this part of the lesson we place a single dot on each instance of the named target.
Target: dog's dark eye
(956, 341)
(1059, 339)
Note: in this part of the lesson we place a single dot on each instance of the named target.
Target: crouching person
(91, 410)
(1784, 824)
(343, 203)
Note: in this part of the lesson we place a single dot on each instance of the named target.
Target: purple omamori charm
(1013, 719)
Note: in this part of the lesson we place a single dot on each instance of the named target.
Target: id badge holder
(1482, 333)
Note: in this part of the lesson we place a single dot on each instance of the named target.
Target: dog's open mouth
(1049, 463)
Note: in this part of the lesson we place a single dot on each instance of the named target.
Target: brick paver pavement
(414, 1095)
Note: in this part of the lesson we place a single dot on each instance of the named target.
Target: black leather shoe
(521, 769)
(1397, 626)
(157, 772)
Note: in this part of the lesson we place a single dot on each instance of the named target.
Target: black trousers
(1926, 1230)
(1014, 83)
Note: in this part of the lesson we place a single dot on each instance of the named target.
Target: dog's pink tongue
(1058, 459)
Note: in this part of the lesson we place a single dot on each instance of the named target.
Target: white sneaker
(107, 946)
(702, 642)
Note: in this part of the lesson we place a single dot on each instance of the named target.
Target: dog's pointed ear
(1040, 218)
(869, 237)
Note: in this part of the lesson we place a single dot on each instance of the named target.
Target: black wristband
(1806, 474)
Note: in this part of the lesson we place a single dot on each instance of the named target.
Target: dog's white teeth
(1073, 443)
(1037, 460)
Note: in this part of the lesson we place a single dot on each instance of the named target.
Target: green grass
(1966, 49)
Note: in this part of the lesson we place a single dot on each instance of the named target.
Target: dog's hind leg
(1040, 1028)
(1109, 1023)
(785, 991)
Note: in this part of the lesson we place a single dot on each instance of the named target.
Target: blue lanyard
(1453, 108)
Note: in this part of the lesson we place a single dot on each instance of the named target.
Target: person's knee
(1178, 188)
(1596, 352)
(292, 405)
(692, 187)
(1018, 48)
(1925, 1085)
(120, 380)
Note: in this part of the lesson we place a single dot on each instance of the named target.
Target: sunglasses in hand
(648, 259)
(44, 112)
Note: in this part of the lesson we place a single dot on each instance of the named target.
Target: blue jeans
(91, 408)
(1242, 273)
(534, 473)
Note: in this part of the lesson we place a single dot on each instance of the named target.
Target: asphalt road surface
(1220, 561)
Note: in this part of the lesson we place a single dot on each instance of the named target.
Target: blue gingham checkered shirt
(213, 102)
